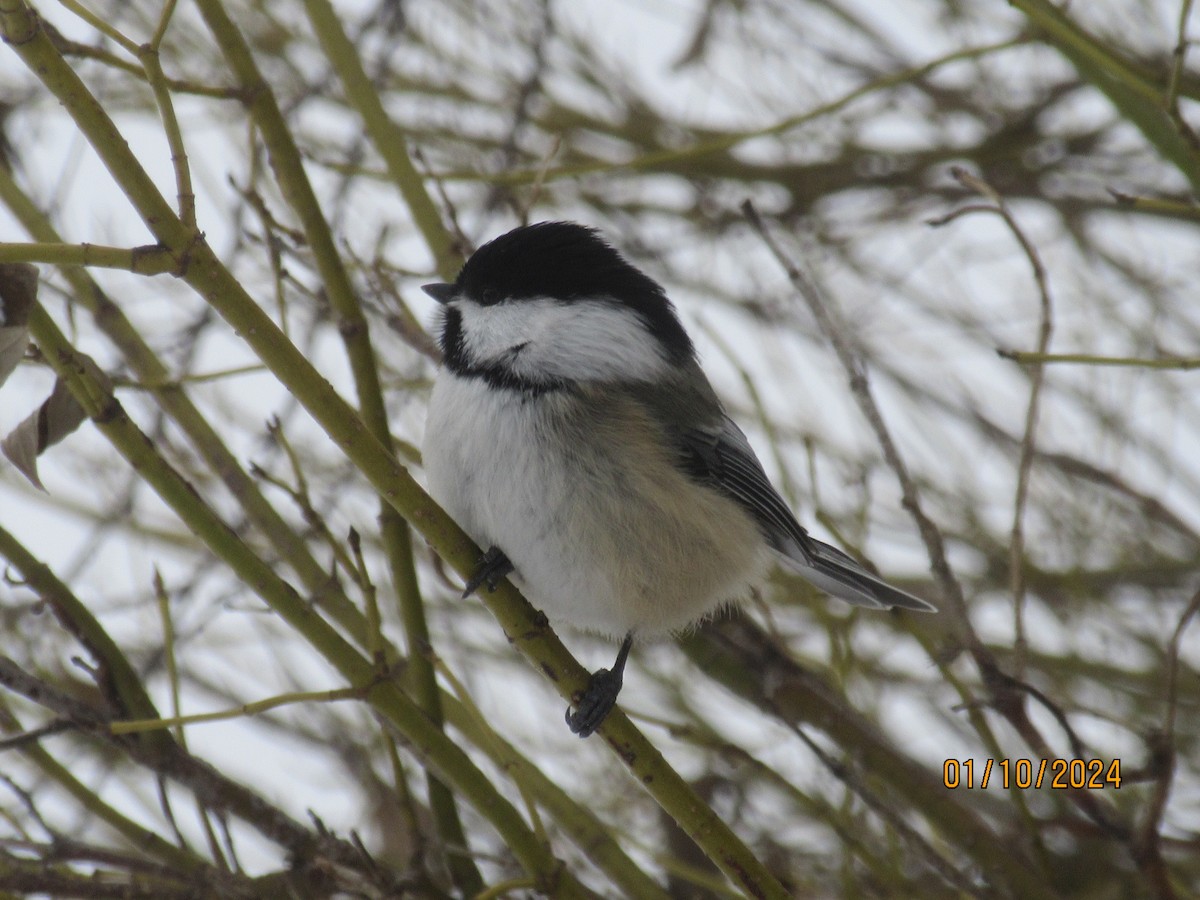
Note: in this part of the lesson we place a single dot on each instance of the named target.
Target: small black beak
(442, 293)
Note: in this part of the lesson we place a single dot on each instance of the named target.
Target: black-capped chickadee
(572, 433)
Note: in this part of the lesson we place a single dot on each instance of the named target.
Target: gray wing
(722, 458)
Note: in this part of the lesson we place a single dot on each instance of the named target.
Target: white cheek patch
(491, 332)
(582, 340)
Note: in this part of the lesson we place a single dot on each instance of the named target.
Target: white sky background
(970, 265)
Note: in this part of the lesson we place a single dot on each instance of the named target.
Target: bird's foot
(600, 695)
(493, 566)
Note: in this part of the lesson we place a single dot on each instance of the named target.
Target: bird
(573, 435)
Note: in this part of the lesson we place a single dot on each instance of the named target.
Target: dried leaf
(18, 293)
(58, 417)
(21, 449)
(13, 341)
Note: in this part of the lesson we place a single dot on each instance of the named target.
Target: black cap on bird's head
(566, 262)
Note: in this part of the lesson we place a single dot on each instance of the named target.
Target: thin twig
(33, 736)
(1171, 101)
(1147, 847)
(1006, 696)
(952, 592)
(1016, 550)
(845, 773)
(1038, 359)
(164, 21)
(527, 92)
(185, 194)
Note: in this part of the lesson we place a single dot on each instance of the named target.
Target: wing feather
(724, 460)
(716, 454)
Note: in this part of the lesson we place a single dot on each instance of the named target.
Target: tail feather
(841, 576)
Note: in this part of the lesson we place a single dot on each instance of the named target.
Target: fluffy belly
(605, 533)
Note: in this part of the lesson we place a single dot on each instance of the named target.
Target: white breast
(579, 493)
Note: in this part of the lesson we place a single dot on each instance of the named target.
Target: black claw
(493, 566)
(595, 703)
(600, 696)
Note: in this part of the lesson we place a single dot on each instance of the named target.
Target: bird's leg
(599, 697)
(493, 566)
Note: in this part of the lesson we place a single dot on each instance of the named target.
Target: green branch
(389, 141)
(423, 738)
(288, 167)
(1140, 100)
(1183, 363)
(150, 260)
(154, 375)
(204, 272)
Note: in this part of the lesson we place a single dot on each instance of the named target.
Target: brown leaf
(18, 293)
(58, 417)
(13, 341)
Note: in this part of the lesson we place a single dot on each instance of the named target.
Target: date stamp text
(1057, 774)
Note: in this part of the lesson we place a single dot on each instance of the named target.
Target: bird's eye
(490, 297)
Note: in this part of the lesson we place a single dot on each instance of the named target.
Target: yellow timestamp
(1057, 774)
